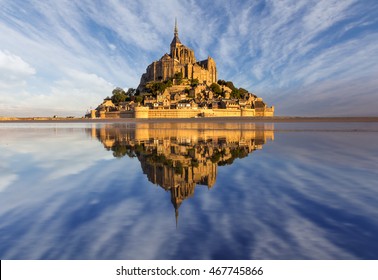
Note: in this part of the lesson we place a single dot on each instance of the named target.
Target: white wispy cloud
(13, 70)
(268, 47)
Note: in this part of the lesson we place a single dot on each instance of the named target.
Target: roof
(175, 40)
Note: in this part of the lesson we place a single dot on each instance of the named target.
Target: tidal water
(189, 191)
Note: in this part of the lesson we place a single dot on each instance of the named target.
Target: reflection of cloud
(6, 180)
(307, 195)
(295, 202)
(51, 149)
(78, 208)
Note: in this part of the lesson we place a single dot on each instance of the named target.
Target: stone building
(181, 59)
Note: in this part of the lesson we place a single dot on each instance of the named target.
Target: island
(179, 86)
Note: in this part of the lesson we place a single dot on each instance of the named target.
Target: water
(189, 191)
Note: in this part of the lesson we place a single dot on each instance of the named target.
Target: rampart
(146, 113)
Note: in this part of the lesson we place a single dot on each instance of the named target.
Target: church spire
(175, 41)
(176, 29)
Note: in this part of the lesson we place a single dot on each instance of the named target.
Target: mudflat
(283, 119)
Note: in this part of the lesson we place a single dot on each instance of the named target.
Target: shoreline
(283, 119)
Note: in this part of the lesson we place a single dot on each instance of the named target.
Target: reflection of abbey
(179, 86)
(178, 157)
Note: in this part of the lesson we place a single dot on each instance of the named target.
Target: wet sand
(285, 119)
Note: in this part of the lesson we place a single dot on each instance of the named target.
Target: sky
(305, 57)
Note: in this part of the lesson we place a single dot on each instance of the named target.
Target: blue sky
(304, 57)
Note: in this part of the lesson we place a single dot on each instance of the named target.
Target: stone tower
(179, 52)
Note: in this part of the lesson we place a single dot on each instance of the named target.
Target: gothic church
(181, 59)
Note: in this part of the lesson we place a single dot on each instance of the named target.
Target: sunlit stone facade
(181, 59)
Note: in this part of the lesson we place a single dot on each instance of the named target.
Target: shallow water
(189, 191)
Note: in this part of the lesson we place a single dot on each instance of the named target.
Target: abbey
(179, 86)
(181, 59)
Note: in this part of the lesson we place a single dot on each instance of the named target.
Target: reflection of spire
(176, 214)
(176, 201)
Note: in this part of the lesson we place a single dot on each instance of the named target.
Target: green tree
(243, 92)
(131, 92)
(216, 88)
(235, 93)
(138, 99)
(178, 75)
(221, 82)
(119, 95)
(194, 82)
(178, 78)
(158, 87)
(230, 85)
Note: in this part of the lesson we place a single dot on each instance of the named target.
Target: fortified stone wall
(229, 112)
(173, 113)
(141, 112)
(112, 115)
(127, 114)
(145, 112)
(269, 112)
(117, 114)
